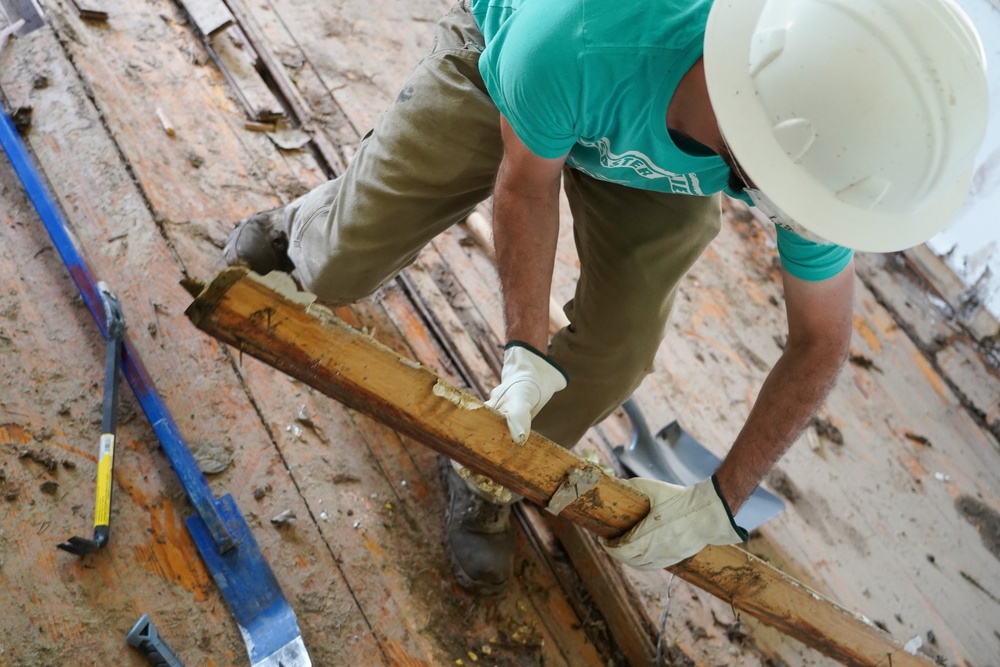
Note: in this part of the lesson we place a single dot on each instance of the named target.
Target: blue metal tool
(220, 532)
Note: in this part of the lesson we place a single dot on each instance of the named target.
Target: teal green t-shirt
(592, 80)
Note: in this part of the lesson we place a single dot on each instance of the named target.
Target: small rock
(42, 459)
(284, 518)
(917, 438)
(49, 488)
(302, 416)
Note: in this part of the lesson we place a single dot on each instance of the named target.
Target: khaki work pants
(431, 159)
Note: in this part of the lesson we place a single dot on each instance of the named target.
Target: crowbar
(115, 325)
(221, 534)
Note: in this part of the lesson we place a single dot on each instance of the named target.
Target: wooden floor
(893, 519)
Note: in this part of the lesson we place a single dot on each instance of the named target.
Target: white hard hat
(860, 119)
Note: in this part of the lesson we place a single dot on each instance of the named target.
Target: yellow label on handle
(106, 456)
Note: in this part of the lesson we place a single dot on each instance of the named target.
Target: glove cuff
(739, 530)
(533, 350)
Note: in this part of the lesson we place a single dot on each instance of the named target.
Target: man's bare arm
(525, 232)
(820, 318)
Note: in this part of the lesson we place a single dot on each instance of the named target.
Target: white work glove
(681, 521)
(527, 382)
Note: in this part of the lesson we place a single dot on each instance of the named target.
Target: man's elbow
(828, 350)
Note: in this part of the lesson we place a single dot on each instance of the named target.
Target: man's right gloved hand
(681, 522)
(527, 382)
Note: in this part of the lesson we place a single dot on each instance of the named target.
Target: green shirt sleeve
(529, 68)
(808, 260)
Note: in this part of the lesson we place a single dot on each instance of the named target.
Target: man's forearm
(789, 398)
(525, 233)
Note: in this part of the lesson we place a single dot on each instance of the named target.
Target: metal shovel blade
(251, 590)
(675, 456)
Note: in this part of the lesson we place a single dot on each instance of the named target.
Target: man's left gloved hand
(681, 521)
(527, 382)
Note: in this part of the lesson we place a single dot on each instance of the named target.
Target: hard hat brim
(748, 132)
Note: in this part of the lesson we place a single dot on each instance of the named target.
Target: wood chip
(165, 122)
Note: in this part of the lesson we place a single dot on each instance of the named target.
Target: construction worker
(852, 124)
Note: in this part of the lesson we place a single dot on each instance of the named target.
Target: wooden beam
(284, 328)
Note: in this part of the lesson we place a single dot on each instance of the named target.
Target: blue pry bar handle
(194, 483)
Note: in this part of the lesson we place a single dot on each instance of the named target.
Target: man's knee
(345, 281)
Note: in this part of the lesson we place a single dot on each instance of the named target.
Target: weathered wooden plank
(326, 153)
(306, 341)
(370, 378)
(153, 564)
(611, 592)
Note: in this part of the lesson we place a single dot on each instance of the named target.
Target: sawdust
(456, 396)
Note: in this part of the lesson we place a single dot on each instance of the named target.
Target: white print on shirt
(685, 184)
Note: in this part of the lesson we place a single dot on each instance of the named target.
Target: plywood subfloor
(886, 523)
(362, 564)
